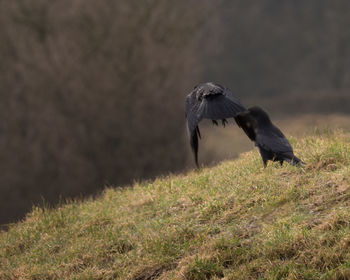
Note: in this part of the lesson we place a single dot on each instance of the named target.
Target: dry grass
(233, 221)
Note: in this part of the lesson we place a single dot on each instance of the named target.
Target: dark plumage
(272, 144)
(209, 101)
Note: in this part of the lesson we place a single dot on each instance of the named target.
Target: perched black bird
(272, 144)
(209, 101)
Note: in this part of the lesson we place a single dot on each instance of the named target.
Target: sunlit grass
(236, 220)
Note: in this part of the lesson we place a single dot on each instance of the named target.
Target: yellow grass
(236, 220)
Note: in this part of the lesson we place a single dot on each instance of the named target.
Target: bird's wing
(209, 101)
(245, 121)
(272, 139)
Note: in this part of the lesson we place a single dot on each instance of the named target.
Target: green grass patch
(236, 220)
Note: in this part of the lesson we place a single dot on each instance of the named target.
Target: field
(235, 220)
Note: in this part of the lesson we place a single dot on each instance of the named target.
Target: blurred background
(92, 92)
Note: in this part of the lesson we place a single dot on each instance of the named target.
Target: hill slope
(233, 221)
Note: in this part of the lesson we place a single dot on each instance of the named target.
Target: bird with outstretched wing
(209, 101)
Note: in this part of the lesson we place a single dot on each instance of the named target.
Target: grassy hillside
(233, 221)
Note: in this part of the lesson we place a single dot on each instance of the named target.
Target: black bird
(209, 101)
(272, 143)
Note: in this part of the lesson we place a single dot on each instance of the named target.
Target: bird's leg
(215, 122)
(265, 163)
(281, 162)
(224, 122)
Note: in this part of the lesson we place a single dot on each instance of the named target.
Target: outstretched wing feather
(215, 103)
(219, 107)
(247, 123)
